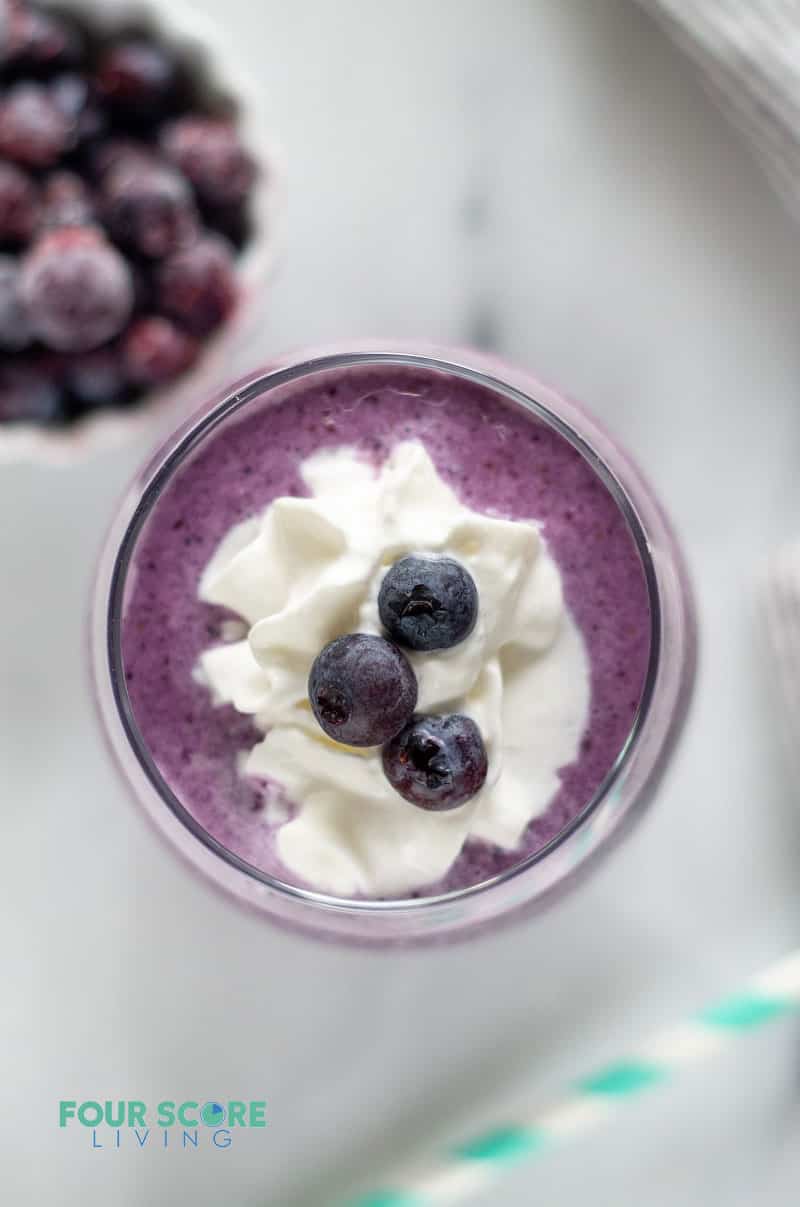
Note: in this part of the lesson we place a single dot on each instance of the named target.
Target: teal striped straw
(472, 1165)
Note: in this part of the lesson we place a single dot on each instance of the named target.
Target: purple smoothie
(498, 459)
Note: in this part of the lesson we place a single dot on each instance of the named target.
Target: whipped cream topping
(310, 569)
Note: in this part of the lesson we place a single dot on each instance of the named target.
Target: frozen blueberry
(428, 603)
(210, 154)
(97, 378)
(15, 330)
(29, 393)
(66, 201)
(197, 286)
(33, 130)
(136, 78)
(437, 763)
(19, 202)
(155, 351)
(362, 689)
(39, 41)
(149, 208)
(77, 289)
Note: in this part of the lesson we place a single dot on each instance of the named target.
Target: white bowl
(218, 71)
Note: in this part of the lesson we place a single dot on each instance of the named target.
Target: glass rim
(188, 441)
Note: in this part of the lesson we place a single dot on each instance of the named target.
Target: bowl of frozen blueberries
(139, 198)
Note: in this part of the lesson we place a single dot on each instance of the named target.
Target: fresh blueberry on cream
(428, 603)
(362, 689)
(437, 762)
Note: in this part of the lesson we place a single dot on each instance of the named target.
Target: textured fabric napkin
(749, 53)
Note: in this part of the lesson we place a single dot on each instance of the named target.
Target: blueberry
(77, 289)
(97, 378)
(428, 603)
(33, 130)
(197, 286)
(38, 41)
(149, 208)
(19, 203)
(362, 689)
(437, 763)
(15, 330)
(210, 154)
(136, 78)
(29, 393)
(155, 351)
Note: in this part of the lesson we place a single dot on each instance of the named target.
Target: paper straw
(472, 1165)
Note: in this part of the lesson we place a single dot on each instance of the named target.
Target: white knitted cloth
(749, 52)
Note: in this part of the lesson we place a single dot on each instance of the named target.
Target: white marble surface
(546, 174)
